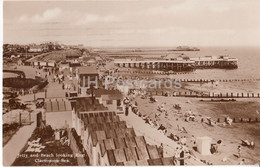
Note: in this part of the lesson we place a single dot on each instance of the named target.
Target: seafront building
(214, 62)
(86, 76)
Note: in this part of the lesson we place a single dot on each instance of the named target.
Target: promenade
(154, 137)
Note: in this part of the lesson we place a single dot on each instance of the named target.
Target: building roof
(131, 154)
(100, 92)
(109, 144)
(108, 119)
(141, 163)
(130, 141)
(57, 105)
(92, 60)
(98, 135)
(74, 64)
(84, 104)
(119, 155)
(140, 141)
(88, 58)
(35, 47)
(87, 70)
(110, 133)
(92, 121)
(120, 132)
(111, 157)
(155, 162)
(129, 163)
(112, 97)
(142, 153)
(101, 130)
(153, 152)
(101, 135)
(129, 131)
(161, 161)
(64, 64)
(168, 161)
(120, 143)
(102, 148)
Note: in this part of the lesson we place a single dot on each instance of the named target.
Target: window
(92, 78)
(109, 102)
(118, 102)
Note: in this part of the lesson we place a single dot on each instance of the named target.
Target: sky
(133, 22)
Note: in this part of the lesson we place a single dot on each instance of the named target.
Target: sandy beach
(231, 135)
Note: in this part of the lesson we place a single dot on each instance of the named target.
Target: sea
(248, 61)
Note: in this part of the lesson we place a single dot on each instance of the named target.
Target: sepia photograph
(130, 82)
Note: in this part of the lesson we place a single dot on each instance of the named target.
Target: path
(17, 142)
(20, 138)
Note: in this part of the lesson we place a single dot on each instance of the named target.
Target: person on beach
(239, 151)
(252, 144)
(242, 162)
(177, 152)
(160, 150)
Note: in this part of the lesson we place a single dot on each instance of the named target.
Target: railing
(20, 117)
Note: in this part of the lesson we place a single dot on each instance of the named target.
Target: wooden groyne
(186, 80)
(204, 95)
(217, 80)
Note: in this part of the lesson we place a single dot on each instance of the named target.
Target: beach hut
(204, 145)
